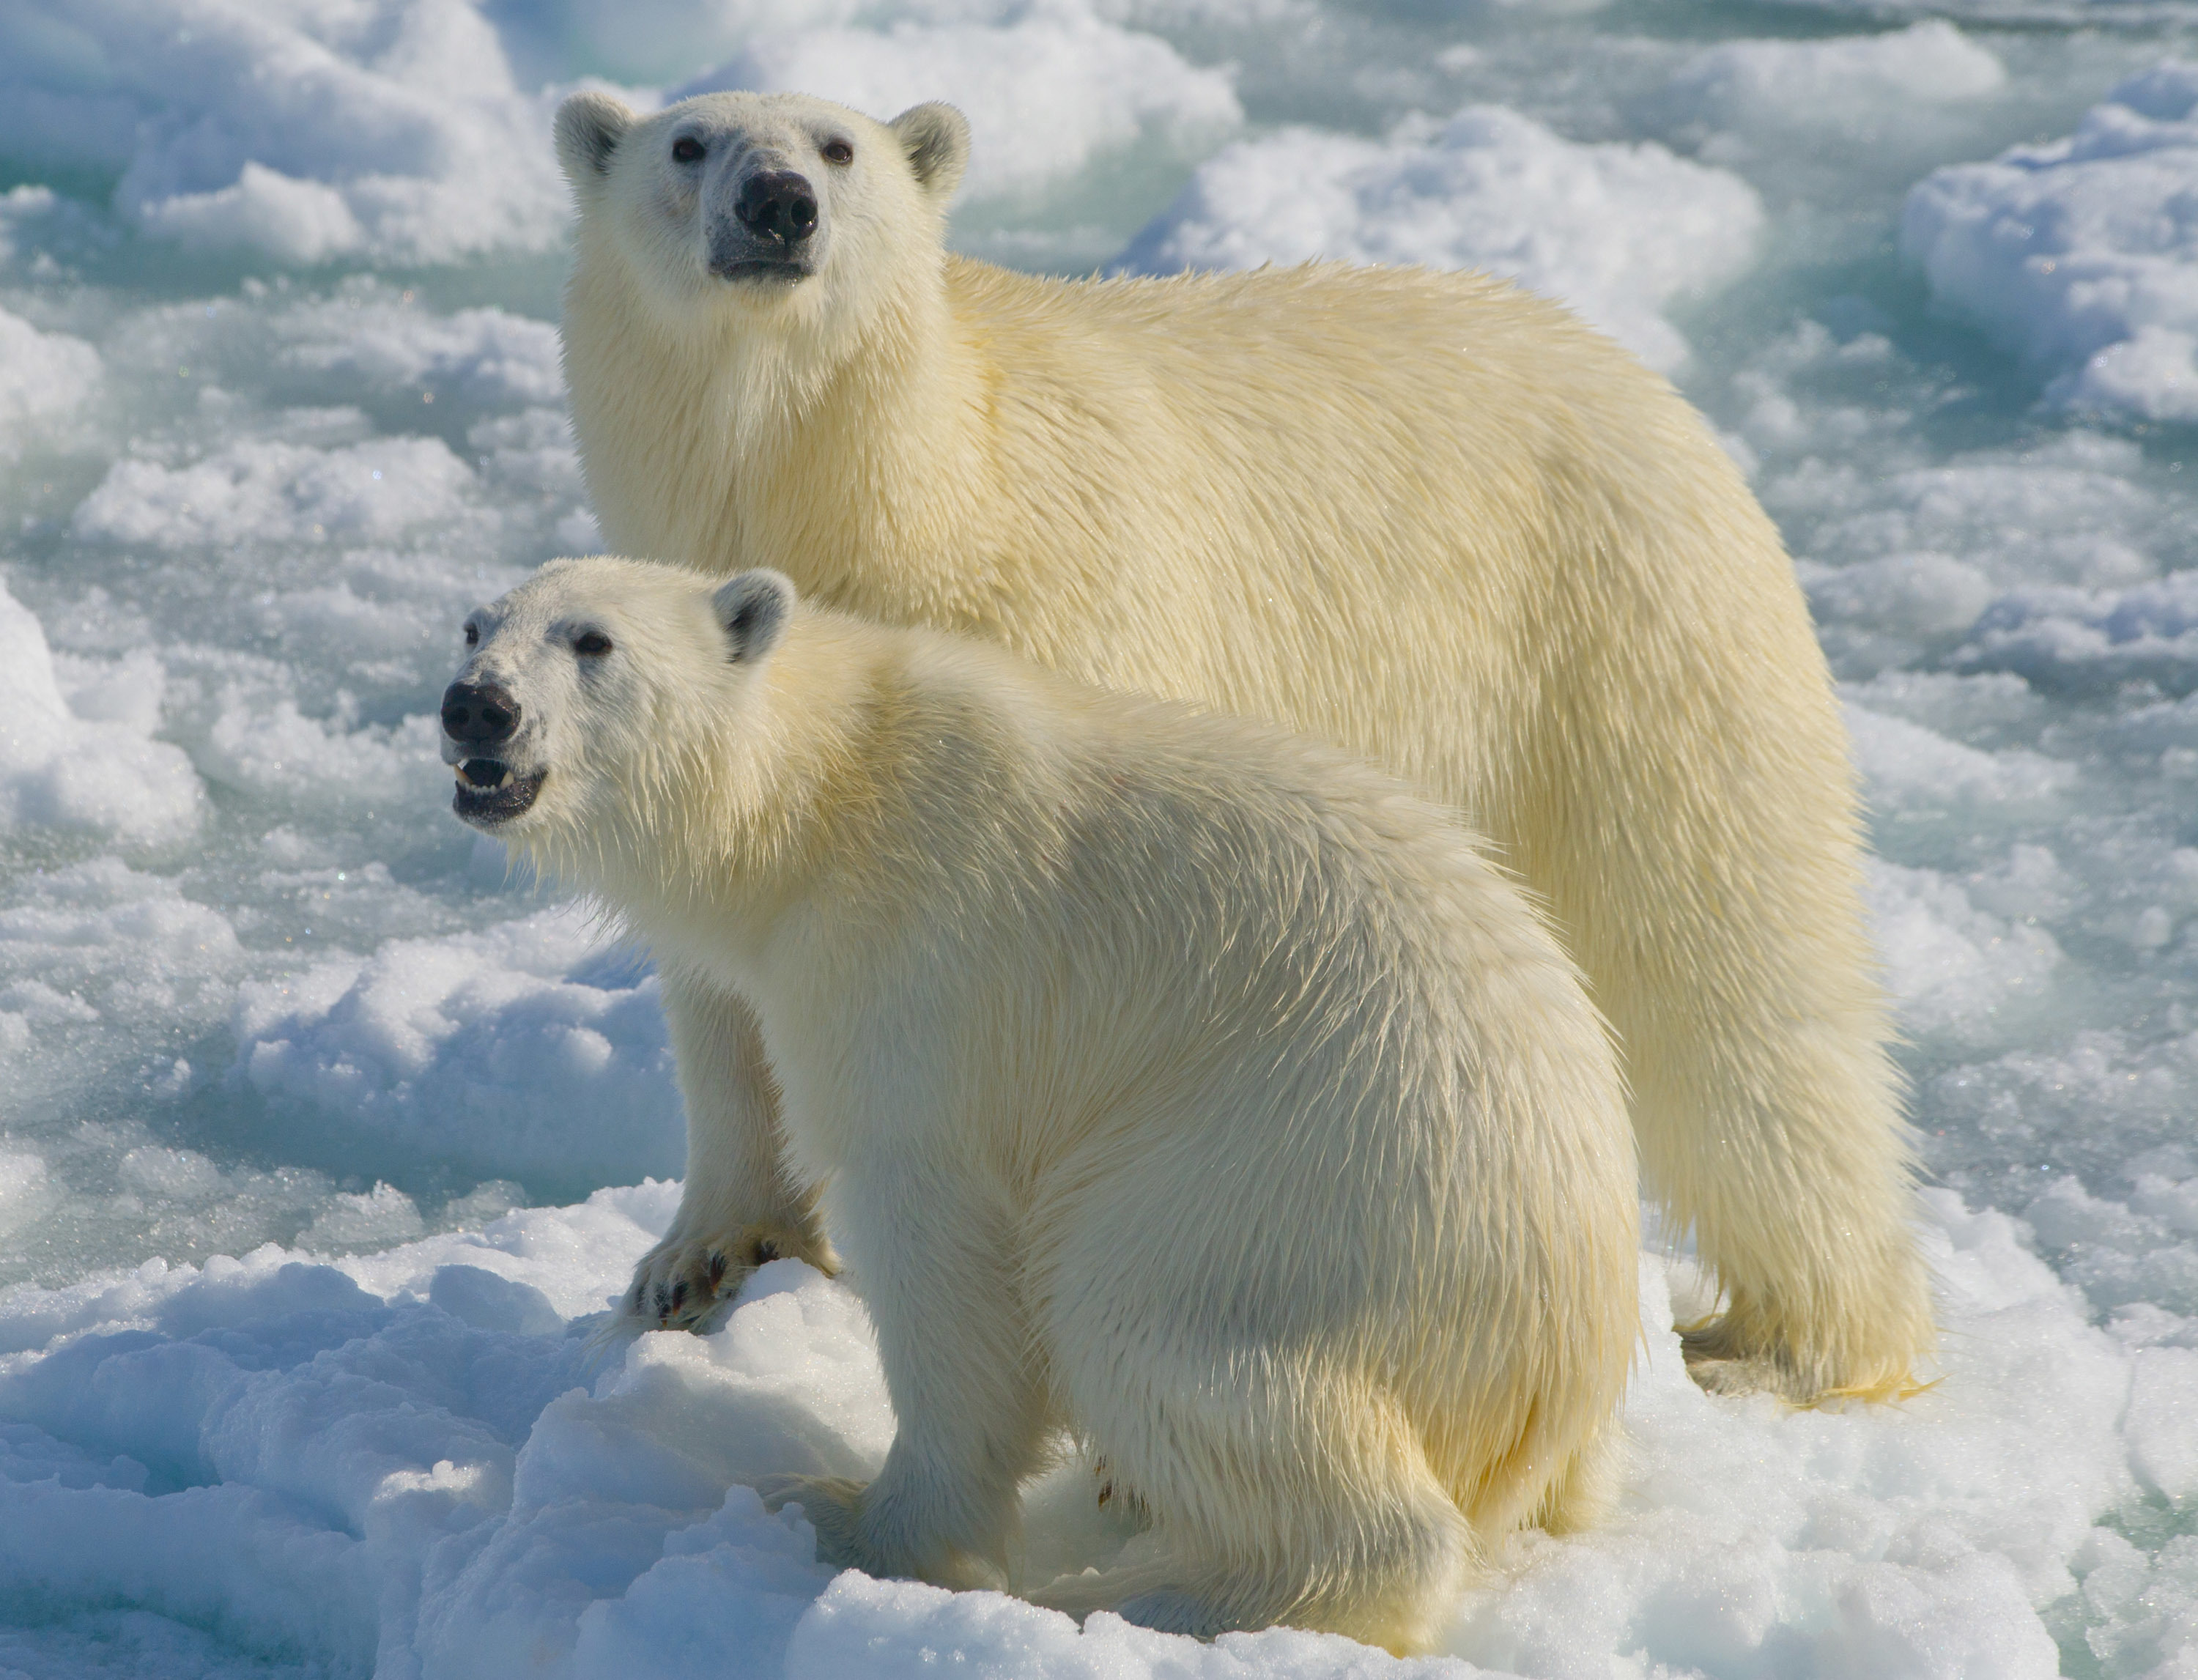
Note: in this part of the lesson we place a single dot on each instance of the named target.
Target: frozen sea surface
(321, 1140)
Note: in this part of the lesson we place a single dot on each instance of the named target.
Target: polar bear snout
(479, 721)
(771, 232)
(483, 715)
(777, 204)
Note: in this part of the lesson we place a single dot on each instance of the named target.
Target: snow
(1045, 93)
(2081, 255)
(1860, 79)
(492, 1047)
(302, 132)
(324, 1141)
(43, 375)
(414, 1451)
(61, 767)
(1619, 231)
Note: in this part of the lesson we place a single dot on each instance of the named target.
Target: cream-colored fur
(1426, 516)
(1166, 1076)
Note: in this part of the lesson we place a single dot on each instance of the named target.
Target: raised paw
(684, 1282)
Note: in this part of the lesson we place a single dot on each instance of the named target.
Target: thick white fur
(1426, 516)
(1166, 1076)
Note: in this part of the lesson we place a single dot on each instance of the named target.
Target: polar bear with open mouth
(1165, 1078)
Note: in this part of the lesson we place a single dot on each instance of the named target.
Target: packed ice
(324, 1141)
(2078, 255)
(1617, 230)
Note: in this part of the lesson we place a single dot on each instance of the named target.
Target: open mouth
(491, 791)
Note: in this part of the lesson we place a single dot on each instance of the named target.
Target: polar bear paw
(1723, 1358)
(833, 1507)
(684, 1282)
(856, 1530)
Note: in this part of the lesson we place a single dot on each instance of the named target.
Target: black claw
(717, 1271)
(766, 1251)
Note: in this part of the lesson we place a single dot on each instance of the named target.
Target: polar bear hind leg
(1314, 1506)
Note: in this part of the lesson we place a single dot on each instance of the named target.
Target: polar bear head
(585, 688)
(763, 206)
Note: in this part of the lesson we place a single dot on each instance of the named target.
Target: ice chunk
(1045, 93)
(1853, 82)
(260, 739)
(2163, 1421)
(490, 1301)
(43, 375)
(2081, 256)
(2088, 640)
(61, 770)
(270, 492)
(1921, 594)
(390, 130)
(25, 1192)
(1953, 968)
(1620, 232)
(522, 1049)
(485, 356)
(1904, 764)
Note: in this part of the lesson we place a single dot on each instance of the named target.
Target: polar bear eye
(687, 150)
(838, 151)
(592, 644)
(473, 635)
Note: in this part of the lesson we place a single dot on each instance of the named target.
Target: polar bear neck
(831, 440)
(701, 843)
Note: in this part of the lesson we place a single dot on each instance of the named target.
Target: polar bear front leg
(929, 1252)
(737, 1209)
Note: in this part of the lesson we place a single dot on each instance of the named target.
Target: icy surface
(413, 1452)
(322, 1141)
(1045, 93)
(2082, 255)
(1616, 230)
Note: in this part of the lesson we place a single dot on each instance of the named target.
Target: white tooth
(504, 780)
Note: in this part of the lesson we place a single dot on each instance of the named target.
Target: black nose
(479, 714)
(777, 204)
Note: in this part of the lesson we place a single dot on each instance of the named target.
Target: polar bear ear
(752, 609)
(590, 126)
(936, 138)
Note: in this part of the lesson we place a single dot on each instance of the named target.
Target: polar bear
(1166, 1077)
(1428, 517)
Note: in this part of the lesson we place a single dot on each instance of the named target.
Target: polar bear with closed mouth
(1427, 517)
(1164, 1078)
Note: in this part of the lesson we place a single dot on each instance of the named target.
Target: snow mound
(403, 1462)
(100, 940)
(1904, 764)
(1848, 83)
(65, 768)
(2079, 641)
(270, 492)
(302, 132)
(43, 377)
(1951, 967)
(526, 1049)
(483, 355)
(1045, 93)
(1620, 232)
(2081, 256)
